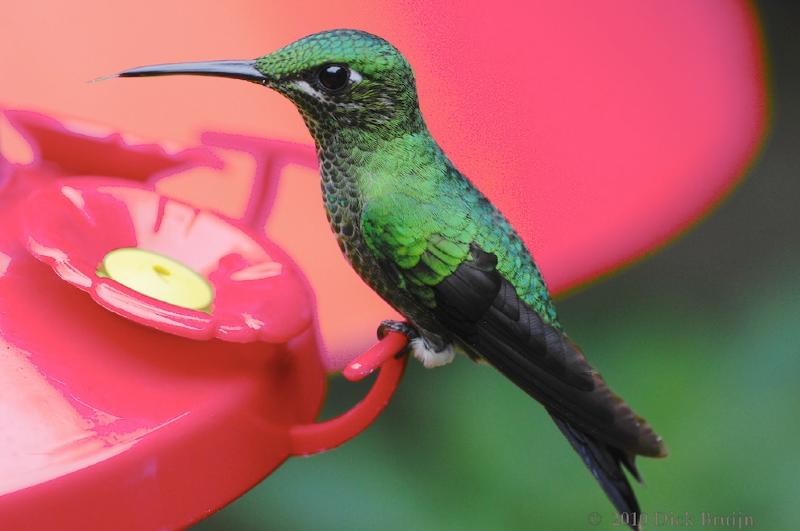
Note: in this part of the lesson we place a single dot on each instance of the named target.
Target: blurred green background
(702, 338)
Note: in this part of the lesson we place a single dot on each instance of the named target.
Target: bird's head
(337, 79)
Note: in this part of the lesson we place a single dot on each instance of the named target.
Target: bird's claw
(397, 326)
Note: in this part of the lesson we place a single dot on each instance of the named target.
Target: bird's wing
(434, 255)
(484, 311)
(418, 243)
(446, 271)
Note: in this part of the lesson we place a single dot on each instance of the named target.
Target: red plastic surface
(148, 415)
(104, 420)
(73, 224)
(313, 438)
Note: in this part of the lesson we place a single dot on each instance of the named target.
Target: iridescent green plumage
(425, 218)
(385, 176)
(428, 242)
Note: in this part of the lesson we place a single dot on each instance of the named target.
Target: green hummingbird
(433, 246)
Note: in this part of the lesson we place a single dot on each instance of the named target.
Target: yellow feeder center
(158, 277)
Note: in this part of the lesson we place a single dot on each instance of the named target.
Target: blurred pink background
(600, 132)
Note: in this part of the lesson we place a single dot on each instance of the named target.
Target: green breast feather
(427, 240)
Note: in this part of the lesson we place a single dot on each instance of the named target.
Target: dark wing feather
(483, 310)
(481, 307)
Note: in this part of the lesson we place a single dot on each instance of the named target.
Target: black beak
(234, 69)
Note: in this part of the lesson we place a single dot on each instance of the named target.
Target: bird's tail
(605, 463)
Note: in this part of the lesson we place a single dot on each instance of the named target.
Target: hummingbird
(423, 237)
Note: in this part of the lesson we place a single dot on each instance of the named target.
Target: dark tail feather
(605, 462)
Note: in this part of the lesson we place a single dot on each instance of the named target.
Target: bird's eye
(333, 77)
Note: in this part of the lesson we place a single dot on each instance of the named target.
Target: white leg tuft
(429, 357)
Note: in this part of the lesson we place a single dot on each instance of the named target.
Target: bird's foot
(398, 326)
(425, 352)
(401, 327)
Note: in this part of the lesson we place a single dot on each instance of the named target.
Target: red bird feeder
(132, 398)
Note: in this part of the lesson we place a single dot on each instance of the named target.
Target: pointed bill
(234, 69)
